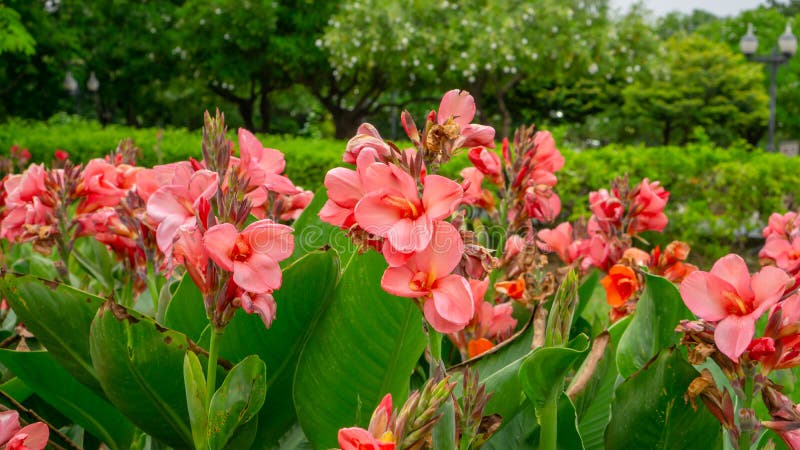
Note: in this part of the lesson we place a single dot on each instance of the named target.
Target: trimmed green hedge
(720, 198)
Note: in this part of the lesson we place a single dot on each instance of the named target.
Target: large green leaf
(71, 398)
(586, 292)
(186, 312)
(60, 317)
(140, 365)
(308, 284)
(649, 410)
(366, 345)
(593, 306)
(593, 404)
(195, 383)
(522, 430)
(311, 233)
(652, 328)
(237, 401)
(542, 373)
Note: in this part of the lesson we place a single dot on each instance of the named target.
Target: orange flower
(620, 284)
(513, 289)
(478, 346)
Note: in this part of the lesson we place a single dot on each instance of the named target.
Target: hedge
(720, 197)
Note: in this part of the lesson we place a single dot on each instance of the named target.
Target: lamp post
(93, 85)
(71, 85)
(787, 47)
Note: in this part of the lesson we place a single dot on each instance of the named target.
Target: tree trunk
(245, 108)
(346, 122)
(264, 107)
(666, 132)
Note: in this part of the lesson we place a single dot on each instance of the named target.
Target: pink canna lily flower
(488, 163)
(263, 168)
(367, 136)
(785, 253)
(173, 206)
(345, 190)
(262, 305)
(448, 304)
(729, 295)
(460, 107)
(251, 255)
(150, 180)
(559, 240)
(393, 209)
(360, 439)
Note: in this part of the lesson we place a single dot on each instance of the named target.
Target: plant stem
(151, 286)
(435, 347)
(211, 375)
(548, 424)
(744, 431)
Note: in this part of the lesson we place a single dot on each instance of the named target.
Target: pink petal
(733, 335)
(452, 298)
(218, 242)
(166, 201)
(270, 238)
(202, 185)
(344, 186)
(280, 184)
(439, 323)
(477, 135)
(167, 230)
(407, 236)
(375, 216)
(248, 144)
(396, 281)
(9, 425)
(261, 304)
(353, 438)
(445, 250)
(37, 436)
(394, 257)
(336, 215)
(441, 196)
(459, 105)
(259, 274)
(768, 287)
(733, 269)
(702, 293)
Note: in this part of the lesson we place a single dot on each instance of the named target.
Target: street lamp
(71, 85)
(787, 47)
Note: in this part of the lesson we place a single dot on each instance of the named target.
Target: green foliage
(14, 38)
(697, 82)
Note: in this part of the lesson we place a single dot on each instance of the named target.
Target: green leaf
(593, 306)
(195, 384)
(593, 405)
(542, 373)
(140, 365)
(60, 317)
(52, 383)
(649, 410)
(652, 328)
(311, 233)
(366, 345)
(522, 430)
(308, 285)
(444, 431)
(94, 258)
(17, 389)
(586, 292)
(186, 312)
(239, 398)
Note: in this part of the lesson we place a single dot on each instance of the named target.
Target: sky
(718, 7)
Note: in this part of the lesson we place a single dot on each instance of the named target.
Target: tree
(769, 23)
(697, 82)
(14, 38)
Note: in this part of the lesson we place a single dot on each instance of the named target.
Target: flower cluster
(200, 209)
(618, 216)
(782, 247)
(394, 202)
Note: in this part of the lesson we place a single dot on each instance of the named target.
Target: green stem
(211, 375)
(435, 347)
(151, 286)
(548, 424)
(744, 435)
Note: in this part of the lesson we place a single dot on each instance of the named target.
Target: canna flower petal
(9, 425)
(458, 105)
(733, 269)
(452, 299)
(768, 287)
(218, 242)
(702, 294)
(268, 237)
(397, 281)
(440, 197)
(733, 334)
(259, 274)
